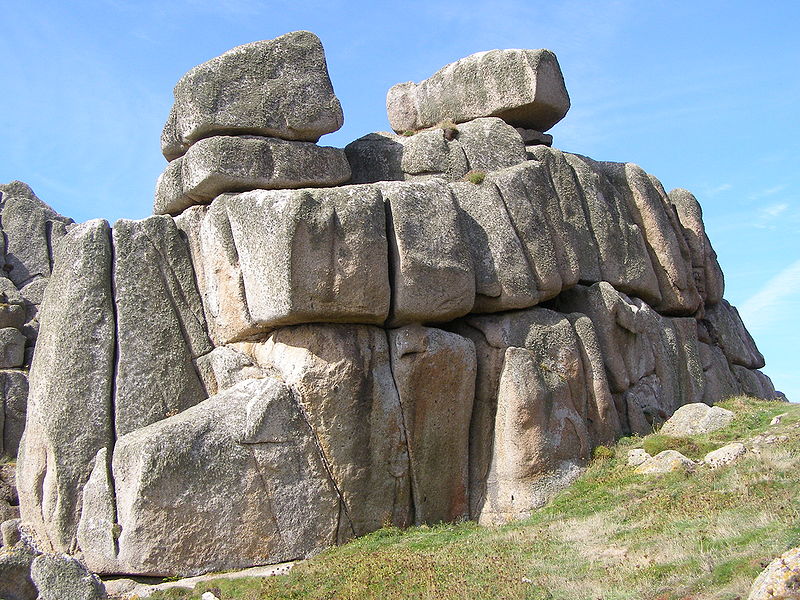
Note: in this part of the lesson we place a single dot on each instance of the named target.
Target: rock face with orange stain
(278, 370)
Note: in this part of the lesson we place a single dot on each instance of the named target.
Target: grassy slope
(613, 535)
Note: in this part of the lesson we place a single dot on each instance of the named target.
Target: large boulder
(344, 382)
(432, 277)
(435, 373)
(161, 325)
(696, 419)
(241, 477)
(279, 257)
(276, 88)
(376, 157)
(503, 276)
(70, 412)
(542, 403)
(240, 163)
(447, 152)
(525, 88)
(59, 576)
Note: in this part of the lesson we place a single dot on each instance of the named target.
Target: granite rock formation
(31, 231)
(276, 362)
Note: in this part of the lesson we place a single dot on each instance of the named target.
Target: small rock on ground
(668, 461)
(637, 456)
(725, 455)
(777, 419)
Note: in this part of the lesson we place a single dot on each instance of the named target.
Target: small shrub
(475, 177)
(408, 132)
(602, 453)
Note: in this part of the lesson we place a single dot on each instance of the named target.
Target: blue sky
(704, 95)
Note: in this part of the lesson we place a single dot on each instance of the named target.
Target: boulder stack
(480, 114)
(264, 372)
(249, 119)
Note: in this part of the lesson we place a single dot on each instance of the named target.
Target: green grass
(475, 177)
(613, 535)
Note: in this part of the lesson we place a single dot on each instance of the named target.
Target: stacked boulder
(476, 115)
(271, 371)
(250, 119)
(29, 232)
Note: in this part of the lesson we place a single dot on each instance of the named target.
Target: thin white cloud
(767, 215)
(775, 209)
(719, 189)
(768, 192)
(774, 301)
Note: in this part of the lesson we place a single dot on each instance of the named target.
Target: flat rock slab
(696, 418)
(221, 164)
(525, 88)
(277, 88)
(127, 588)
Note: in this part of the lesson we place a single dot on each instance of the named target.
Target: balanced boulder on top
(248, 120)
(525, 88)
(278, 88)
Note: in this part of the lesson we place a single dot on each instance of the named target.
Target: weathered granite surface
(285, 360)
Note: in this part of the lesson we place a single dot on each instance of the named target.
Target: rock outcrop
(31, 231)
(280, 362)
